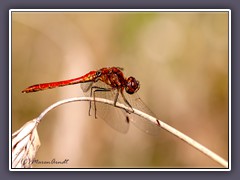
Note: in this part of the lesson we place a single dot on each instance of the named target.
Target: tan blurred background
(180, 59)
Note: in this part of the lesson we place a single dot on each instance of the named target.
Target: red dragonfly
(108, 83)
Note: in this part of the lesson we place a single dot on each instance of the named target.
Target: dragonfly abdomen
(91, 76)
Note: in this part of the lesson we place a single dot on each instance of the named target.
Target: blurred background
(180, 59)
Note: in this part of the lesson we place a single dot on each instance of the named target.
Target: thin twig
(163, 125)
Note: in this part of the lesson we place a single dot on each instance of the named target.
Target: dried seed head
(25, 143)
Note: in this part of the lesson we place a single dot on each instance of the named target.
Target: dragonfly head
(132, 85)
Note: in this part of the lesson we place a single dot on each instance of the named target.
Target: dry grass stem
(26, 141)
(163, 125)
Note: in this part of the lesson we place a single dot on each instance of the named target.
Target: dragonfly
(109, 82)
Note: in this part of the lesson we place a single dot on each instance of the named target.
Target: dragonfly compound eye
(132, 85)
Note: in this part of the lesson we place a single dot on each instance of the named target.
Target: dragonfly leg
(95, 89)
(90, 102)
(126, 101)
(116, 98)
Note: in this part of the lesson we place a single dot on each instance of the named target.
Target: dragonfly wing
(117, 118)
(140, 122)
(86, 87)
(111, 115)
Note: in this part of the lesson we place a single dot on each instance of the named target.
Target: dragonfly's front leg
(126, 101)
(115, 102)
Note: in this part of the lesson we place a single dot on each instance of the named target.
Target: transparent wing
(117, 118)
(140, 122)
(111, 115)
(86, 86)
